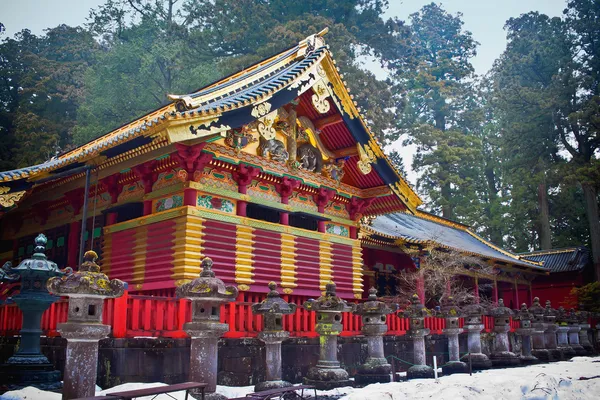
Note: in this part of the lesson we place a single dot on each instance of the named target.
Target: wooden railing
(155, 316)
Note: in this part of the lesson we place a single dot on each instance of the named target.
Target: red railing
(156, 316)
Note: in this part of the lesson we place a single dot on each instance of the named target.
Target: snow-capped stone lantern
(451, 313)
(539, 326)
(328, 374)
(207, 293)
(502, 356)
(584, 324)
(416, 313)
(550, 331)
(474, 325)
(28, 366)
(87, 288)
(272, 309)
(562, 334)
(374, 316)
(574, 328)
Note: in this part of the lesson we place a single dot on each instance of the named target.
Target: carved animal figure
(273, 149)
(310, 158)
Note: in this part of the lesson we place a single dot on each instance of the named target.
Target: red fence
(154, 316)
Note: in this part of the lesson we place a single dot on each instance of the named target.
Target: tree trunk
(495, 230)
(591, 208)
(544, 217)
(447, 209)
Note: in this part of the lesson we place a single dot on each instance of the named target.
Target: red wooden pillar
(476, 290)
(147, 207)
(190, 197)
(241, 208)
(516, 296)
(353, 232)
(495, 293)
(73, 244)
(284, 218)
(321, 225)
(111, 218)
(119, 329)
(421, 288)
(530, 295)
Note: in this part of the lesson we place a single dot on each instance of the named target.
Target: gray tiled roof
(416, 229)
(561, 260)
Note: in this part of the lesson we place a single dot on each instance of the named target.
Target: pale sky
(484, 18)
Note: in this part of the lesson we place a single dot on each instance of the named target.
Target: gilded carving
(273, 149)
(334, 171)
(366, 157)
(261, 109)
(9, 199)
(238, 139)
(319, 98)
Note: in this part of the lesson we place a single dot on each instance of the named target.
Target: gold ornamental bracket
(200, 128)
(8, 199)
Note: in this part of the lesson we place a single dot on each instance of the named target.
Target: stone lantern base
(374, 370)
(479, 361)
(557, 354)
(420, 372)
(567, 352)
(268, 385)
(455, 367)
(505, 359)
(543, 355)
(18, 376)
(327, 378)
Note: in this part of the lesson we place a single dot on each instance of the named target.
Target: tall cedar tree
(432, 89)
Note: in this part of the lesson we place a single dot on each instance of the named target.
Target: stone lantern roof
(329, 302)
(537, 310)
(273, 303)
(38, 265)
(415, 309)
(474, 309)
(501, 310)
(207, 287)
(374, 306)
(450, 309)
(89, 281)
(549, 312)
(524, 314)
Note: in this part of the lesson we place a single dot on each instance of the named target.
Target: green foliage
(588, 297)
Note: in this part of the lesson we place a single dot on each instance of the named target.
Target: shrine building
(273, 172)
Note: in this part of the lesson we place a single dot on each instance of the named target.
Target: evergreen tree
(433, 90)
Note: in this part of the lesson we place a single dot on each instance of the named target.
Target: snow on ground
(554, 381)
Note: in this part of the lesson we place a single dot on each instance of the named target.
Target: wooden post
(73, 244)
(495, 292)
(119, 329)
(516, 296)
(476, 289)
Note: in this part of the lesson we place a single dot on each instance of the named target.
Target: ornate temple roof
(426, 229)
(561, 260)
(237, 100)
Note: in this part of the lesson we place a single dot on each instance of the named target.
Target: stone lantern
(86, 289)
(207, 293)
(525, 331)
(502, 356)
(374, 315)
(272, 309)
(584, 324)
(550, 332)
(328, 374)
(451, 313)
(28, 366)
(474, 325)
(574, 329)
(416, 313)
(539, 326)
(562, 333)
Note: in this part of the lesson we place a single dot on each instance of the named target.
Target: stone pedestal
(473, 326)
(451, 313)
(574, 340)
(539, 327)
(272, 309)
(328, 374)
(525, 331)
(81, 358)
(550, 332)
(416, 313)
(207, 293)
(562, 337)
(584, 339)
(87, 288)
(374, 315)
(502, 356)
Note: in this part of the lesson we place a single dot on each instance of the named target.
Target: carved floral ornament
(8, 199)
